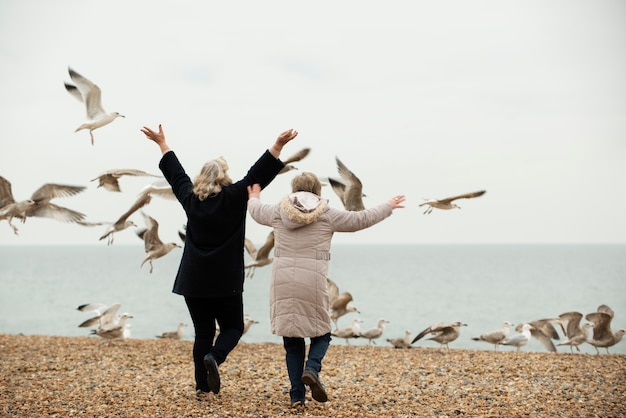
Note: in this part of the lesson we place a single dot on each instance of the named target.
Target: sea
(412, 286)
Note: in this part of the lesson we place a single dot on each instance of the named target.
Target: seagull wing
(353, 193)
(6, 194)
(151, 235)
(90, 94)
(421, 334)
(264, 251)
(333, 291)
(50, 191)
(464, 196)
(297, 156)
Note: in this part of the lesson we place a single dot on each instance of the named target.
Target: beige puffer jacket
(303, 229)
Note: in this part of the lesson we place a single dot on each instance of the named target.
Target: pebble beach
(92, 377)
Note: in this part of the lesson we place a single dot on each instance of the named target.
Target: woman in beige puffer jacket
(303, 226)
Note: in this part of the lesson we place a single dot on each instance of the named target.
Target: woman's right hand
(396, 202)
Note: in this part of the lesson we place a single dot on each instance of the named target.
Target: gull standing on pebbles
(349, 188)
(442, 333)
(495, 337)
(447, 203)
(88, 93)
(374, 333)
(520, 340)
(261, 256)
(543, 331)
(339, 303)
(174, 335)
(578, 339)
(346, 333)
(154, 247)
(402, 342)
(39, 204)
(602, 334)
(110, 179)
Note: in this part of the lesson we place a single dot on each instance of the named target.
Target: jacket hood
(301, 208)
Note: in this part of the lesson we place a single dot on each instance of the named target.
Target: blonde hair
(306, 182)
(211, 179)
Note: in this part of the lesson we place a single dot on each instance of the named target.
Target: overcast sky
(525, 99)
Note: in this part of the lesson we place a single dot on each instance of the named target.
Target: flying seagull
(349, 188)
(39, 204)
(339, 303)
(448, 203)
(123, 222)
(261, 256)
(110, 179)
(88, 93)
(294, 158)
(154, 247)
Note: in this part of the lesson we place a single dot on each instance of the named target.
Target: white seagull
(88, 93)
(519, 340)
(39, 204)
(347, 333)
(448, 203)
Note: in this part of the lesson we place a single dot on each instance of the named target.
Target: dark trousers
(295, 358)
(228, 312)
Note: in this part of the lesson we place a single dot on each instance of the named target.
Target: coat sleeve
(175, 174)
(260, 212)
(351, 221)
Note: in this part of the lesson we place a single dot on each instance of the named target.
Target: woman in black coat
(211, 271)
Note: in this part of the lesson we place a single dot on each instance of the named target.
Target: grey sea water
(411, 286)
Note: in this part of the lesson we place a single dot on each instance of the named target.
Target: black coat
(212, 264)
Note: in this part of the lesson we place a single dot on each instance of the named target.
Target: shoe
(310, 379)
(298, 405)
(213, 375)
(203, 396)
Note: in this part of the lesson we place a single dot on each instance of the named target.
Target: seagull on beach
(110, 179)
(349, 188)
(602, 334)
(442, 333)
(39, 204)
(294, 158)
(110, 325)
(401, 342)
(154, 247)
(261, 256)
(339, 303)
(374, 333)
(248, 322)
(572, 329)
(495, 337)
(347, 333)
(174, 335)
(543, 331)
(89, 93)
(519, 340)
(448, 203)
(114, 330)
(123, 222)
